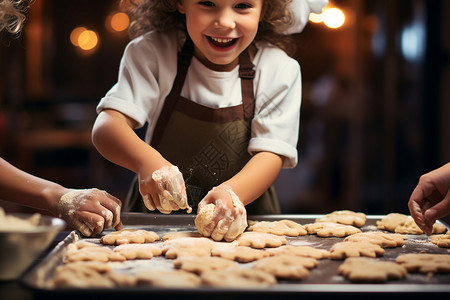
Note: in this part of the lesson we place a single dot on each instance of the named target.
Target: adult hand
(430, 200)
(90, 210)
(229, 219)
(165, 190)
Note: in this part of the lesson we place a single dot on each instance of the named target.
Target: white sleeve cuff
(278, 147)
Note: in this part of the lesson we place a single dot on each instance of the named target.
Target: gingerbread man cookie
(286, 266)
(305, 251)
(425, 262)
(442, 240)
(168, 279)
(362, 269)
(282, 227)
(345, 217)
(129, 236)
(138, 251)
(384, 240)
(355, 249)
(238, 278)
(197, 265)
(330, 229)
(241, 254)
(260, 240)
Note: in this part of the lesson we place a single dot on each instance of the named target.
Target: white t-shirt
(147, 72)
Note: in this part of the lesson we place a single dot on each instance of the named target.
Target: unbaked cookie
(442, 240)
(197, 265)
(187, 246)
(330, 229)
(238, 278)
(180, 234)
(260, 240)
(138, 251)
(425, 262)
(282, 227)
(392, 221)
(85, 251)
(305, 251)
(168, 278)
(129, 236)
(286, 266)
(89, 274)
(403, 224)
(410, 227)
(241, 254)
(362, 269)
(385, 240)
(355, 249)
(345, 217)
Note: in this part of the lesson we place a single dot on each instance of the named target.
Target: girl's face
(221, 29)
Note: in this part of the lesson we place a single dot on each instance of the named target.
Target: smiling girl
(222, 101)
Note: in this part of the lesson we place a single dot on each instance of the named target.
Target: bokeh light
(333, 17)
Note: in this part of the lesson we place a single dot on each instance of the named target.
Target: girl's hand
(164, 190)
(90, 210)
(430, 200)
(230, 217)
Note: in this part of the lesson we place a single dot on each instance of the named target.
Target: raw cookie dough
(286, 266)
(129, 236)
(187, 246)
(282, 227)
(260, 240)
(197, 265)
(392, 221)
(138, 251)
(355, 249)
(442, 240)
(330, 229)
(425, 262)
(240, 254)
(238, 278)
(85, 251)
(403, 224)
(410, 227)
(305, 251)
(168, 278)
(10, 222)
(382, 239)
(88, 275)
(362, 269)
(206, 214)
(345, 217)
(180, 234)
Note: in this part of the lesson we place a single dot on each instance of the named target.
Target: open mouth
(222, 42)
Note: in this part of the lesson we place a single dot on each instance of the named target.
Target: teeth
(219, 40)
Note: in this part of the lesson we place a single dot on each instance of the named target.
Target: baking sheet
(322, 279)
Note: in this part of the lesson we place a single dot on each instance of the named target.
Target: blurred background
(376, 92)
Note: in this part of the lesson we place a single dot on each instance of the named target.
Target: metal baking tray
(323, 280)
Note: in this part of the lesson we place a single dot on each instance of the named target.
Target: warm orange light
(333, 17)
(74, 35)
(87, 40)
(119, 21)
(315, 18)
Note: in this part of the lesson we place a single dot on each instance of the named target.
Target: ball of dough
(236, 228)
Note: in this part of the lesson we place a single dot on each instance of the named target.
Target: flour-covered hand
(229, 218)
(89, 210)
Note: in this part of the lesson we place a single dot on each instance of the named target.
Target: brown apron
(208, 145)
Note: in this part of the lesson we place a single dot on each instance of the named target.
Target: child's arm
(115, 139)
(252, 181)
(90, 211)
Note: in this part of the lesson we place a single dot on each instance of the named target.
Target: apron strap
(247, 74)
(184, 60)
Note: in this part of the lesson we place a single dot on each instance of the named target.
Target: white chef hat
(301, 10)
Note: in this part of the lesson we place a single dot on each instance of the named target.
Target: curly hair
(12, 15)
(162, 15)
